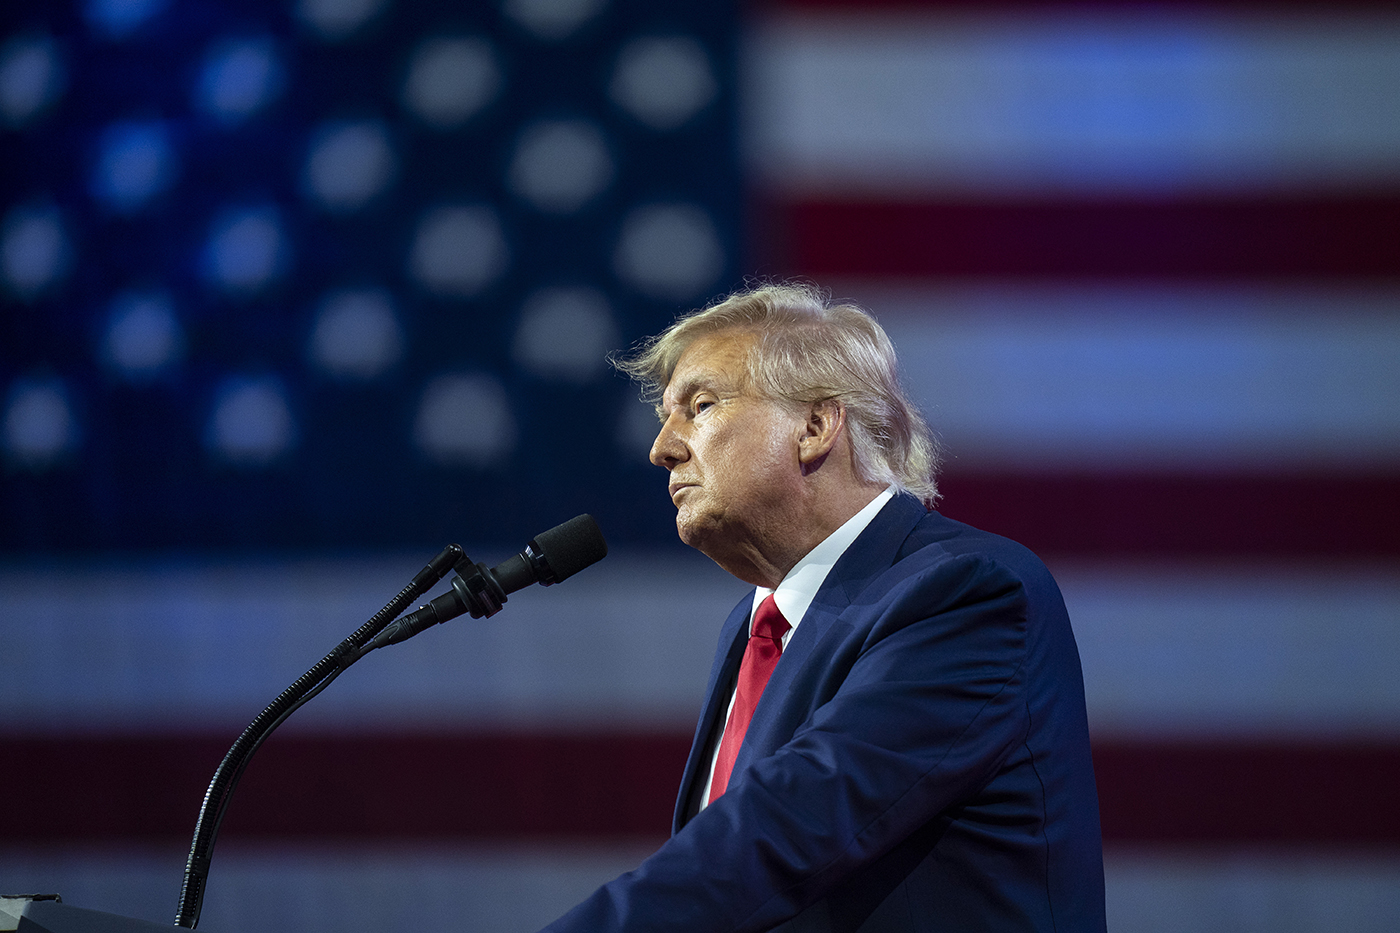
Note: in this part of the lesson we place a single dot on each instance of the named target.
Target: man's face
(733, 457)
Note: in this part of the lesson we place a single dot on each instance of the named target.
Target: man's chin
(692, 529)
(686, 532)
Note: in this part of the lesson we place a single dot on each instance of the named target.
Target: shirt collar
(797, 590)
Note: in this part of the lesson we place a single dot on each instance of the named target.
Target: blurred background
(297, 292)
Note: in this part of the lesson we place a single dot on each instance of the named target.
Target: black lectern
(46, 914)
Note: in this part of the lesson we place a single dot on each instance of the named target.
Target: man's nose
(668, 449)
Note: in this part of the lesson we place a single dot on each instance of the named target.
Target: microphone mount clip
(475, 590)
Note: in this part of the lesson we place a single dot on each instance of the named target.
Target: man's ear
(826, 420)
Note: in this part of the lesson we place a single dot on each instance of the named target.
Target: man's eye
(700, 406)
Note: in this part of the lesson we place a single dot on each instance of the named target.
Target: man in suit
(894, 737)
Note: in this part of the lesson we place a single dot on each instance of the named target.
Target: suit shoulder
(936, 533)
(957, 538)
(907, 543)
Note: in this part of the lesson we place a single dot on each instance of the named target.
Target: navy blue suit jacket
(919, 760)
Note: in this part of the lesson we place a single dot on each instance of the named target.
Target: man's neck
(797, 589)
(828, 514)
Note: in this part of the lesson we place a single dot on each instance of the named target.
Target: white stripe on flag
(1181, 377)
(1181, 649)
(1107, 100)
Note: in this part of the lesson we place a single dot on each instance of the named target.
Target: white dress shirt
(797, 590)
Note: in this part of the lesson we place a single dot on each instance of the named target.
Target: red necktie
(760, 657)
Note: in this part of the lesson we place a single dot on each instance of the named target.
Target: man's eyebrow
(695, 382)
(686, 389)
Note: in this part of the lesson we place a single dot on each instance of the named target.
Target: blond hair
(810, 350)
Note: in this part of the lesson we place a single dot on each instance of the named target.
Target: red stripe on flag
(458, 786)
(1228, 791)
(1180, 238)
(1184, 515)
(607, 786)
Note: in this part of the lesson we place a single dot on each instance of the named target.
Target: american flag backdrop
(295, 293)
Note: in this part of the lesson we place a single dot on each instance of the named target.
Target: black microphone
(549, 558)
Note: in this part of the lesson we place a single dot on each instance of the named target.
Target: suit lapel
(875, 551)
(871, 554)
(733, 638)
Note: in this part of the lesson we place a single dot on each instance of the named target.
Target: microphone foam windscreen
(570, 547)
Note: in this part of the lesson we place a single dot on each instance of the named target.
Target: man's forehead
(716, 361)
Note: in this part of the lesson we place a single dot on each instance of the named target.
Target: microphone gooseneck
(221, 787)
(554, 555)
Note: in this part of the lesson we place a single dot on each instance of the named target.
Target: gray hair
(810, 350)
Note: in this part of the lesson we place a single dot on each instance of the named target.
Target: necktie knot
(768, 621)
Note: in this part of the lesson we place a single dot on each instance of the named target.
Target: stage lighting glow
(450, 79)
(118, 19)
(552, 20)
(246, 250)
(465, 420)
(663, 81)
(33, 250)
(669, 251)
(251, 424)
(31, 78)
(143, 337)
(357, 335)
(349, 163)
(39, 428)
(560, 165)
(135, 163)
(334, 20)
(239, 78)
(565, 334)
(458, 250)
